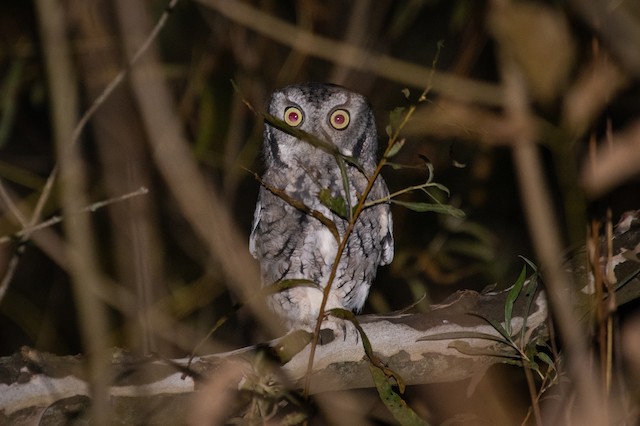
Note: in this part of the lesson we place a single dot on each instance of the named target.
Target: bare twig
(77, 131)
(29, 230)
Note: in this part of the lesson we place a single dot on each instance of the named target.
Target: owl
(288, 242)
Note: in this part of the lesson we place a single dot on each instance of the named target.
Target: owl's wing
(386, 234)
(256, 220)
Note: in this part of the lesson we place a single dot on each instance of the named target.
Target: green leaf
(439, 186)
(530, 292)
(546, 359)
(530, 263)
(352, 161)
(287, 284)
(293, 419)
(511, 298)
(430, 207)
(396, 116)
(399, 166)
(335, 204)
(290, 345)
(393, 401)
(466, 349)
(397, 146)
(388, 130)
(453, 335)
(497, 326)
(366, 345)
(345, 185)
(302, 135)
(302, 207)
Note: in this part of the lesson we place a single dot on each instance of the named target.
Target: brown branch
(34, 382)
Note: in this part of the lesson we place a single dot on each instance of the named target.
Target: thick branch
(34, 382)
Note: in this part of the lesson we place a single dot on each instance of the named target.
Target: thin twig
(11, 206)
(48, 186)
(97, 103)
(28, 231)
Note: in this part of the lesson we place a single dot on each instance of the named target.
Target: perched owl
(291, 244)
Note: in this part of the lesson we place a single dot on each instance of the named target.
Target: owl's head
(328, 112)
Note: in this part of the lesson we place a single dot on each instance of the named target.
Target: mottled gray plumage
(291, 244)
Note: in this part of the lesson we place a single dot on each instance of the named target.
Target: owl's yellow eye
(339, 119)
(293, 116)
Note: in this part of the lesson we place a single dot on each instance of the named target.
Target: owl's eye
(293, 116)
(339, 119)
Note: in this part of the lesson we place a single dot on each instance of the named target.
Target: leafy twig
(390, 149)
(301, 206)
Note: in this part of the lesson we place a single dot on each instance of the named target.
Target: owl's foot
(338, 329)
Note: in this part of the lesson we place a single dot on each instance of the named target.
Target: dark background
(202, 53)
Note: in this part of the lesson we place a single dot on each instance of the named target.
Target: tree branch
(34, 382)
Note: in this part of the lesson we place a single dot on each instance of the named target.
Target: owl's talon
(326, 336)
(338, 329)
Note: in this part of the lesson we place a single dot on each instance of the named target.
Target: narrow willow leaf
(398, 166)
(530, 263)
(429, 165)
(430, 207)
(366, 344)
(290, 345)
(456, 335)
(335, 204)
(397, 146)
(467, 349)
(388, 130)
(289, 283)
(513, 294)
(531, 288)
(345, 185)
(396, 116)
(297, 418)
(302, 207)
(438, 186)
(393, 401)
(546, 359)
(496, 325)
(350, 316)
(352, 161)
(302, 135)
